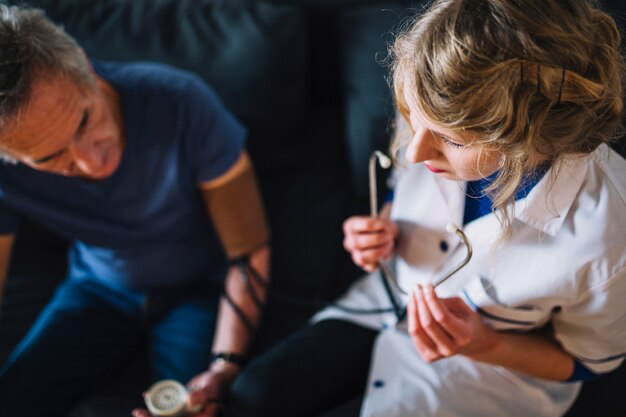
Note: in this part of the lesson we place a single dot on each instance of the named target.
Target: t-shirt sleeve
(9, 219)
(215, 137)
(593, 328)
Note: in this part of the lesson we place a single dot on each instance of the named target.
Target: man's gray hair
(31, 46)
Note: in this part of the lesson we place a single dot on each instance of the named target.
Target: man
(126, 161)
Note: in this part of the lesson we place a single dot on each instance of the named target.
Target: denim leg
(84, 331)
(180, 341)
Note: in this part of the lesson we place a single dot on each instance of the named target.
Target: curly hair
(526, 77)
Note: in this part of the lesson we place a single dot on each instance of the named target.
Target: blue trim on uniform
(478, 202)
(389, 197)
(494, 317)
(581, 373)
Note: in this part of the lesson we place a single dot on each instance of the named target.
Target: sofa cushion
(365, 36)
(252, 53)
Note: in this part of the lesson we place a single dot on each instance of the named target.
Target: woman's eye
(450, 142)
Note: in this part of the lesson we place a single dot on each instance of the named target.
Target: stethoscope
(387, 274)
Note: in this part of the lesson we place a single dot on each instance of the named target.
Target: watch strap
(231, 357)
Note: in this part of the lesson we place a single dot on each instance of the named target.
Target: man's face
(67, 129)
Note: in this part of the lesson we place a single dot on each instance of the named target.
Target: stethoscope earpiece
(452, 228)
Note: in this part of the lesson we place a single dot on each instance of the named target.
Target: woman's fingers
(369, 237)
(445, 326)
(451, 323)
(423, 343)
(362, 224)
(459, 307)
(444, 343)
(371, 240)
(363, 242)
(370, 258)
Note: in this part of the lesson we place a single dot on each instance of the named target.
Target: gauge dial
(166, 398)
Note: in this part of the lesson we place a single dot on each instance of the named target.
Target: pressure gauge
(168, 398)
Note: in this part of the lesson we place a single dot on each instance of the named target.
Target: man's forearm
(6, 245)
(534, 354)
(231, 333)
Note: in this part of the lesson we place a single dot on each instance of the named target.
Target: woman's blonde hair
(526, 77)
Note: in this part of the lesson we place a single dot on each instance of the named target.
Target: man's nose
(422, 147)
(87, 156)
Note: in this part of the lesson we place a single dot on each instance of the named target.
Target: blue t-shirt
(146, 225)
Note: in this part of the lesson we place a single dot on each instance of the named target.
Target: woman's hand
(443, 327)
(206, 390)
(369, 239)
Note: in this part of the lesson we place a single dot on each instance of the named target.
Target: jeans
(90, 327)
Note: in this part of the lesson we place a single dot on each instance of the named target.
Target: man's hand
(369, 240)
(443, 327)
(206, 390)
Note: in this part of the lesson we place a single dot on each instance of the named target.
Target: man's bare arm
(6, 246)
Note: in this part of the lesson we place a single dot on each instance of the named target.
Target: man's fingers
(197, 397)
(140, 413)
(209, 410)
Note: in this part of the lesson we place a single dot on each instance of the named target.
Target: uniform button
(443, 245)
(379, 383)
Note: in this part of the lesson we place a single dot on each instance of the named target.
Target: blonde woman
(507, 109)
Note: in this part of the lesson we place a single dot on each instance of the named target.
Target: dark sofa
(308, 79)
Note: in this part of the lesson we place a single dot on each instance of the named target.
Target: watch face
(166, 397)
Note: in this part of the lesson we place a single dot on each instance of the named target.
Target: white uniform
(565, 264)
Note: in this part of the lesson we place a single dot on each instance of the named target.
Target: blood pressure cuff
(237, 213)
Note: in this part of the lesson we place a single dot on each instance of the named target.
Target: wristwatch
(227, 357)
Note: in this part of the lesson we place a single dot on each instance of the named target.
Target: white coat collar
(453, 196)
(548, 203)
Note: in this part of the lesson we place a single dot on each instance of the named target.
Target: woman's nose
(422, 147)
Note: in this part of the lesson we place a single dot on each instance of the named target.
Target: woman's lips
(435, 170)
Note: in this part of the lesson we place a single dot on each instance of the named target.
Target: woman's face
(447, 153)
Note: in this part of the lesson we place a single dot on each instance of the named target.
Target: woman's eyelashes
(450, 141)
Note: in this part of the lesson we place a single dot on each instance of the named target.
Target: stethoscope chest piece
(167, 398)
